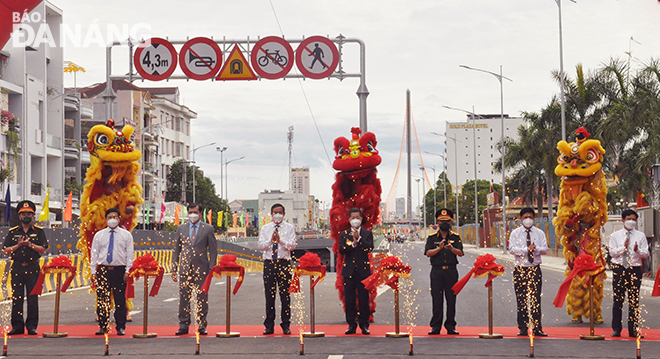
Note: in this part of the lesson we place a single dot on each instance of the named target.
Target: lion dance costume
(111, 182)
(356, 186)
(581, 212)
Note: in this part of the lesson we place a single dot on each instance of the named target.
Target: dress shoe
(616, 334)
(632, 335)
(203, 331)
(434, 331)
(522, 333)
(101, 332)
(365, 330)
(351, 329)
(32, 332)
(16, 332)
(286, 330)
(181, 331)
(121, 331)
(268, 331)
(539, 333)
(452, 332)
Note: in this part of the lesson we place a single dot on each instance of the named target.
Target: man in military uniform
(443, 248)
(24, 244)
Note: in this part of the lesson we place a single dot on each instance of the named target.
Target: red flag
(68, 211)
(162, 212)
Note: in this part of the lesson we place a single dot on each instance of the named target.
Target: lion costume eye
(592, 155)
(101, 139)
(562, 158)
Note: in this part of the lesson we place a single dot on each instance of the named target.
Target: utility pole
(289, 139)
(409, 177)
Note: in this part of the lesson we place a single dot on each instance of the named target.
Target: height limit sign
(155, 59)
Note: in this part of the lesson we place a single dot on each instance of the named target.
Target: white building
(461, 151)
(300, 180)
(295, 205)
(31, 84)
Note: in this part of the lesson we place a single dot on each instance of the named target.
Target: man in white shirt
(276, 240)
(111, 259)
(628, 247)
(527, 244)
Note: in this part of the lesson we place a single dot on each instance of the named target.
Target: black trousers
(441, 282)
(626, 280)
(353, 285)
(277, 274)
(23, 280)
(110, 280)
(527, 282)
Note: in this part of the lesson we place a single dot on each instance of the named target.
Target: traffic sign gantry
(317, 57)
(155, 59)
(272, 57)
(200, 58)
(236, 67)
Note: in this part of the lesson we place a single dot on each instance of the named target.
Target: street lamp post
(499, 77)
(419, 197)
(455, 172)
(444, 177)
(434, 188)
(561, 75)
(194, 169)
(222, 151)
(424, 197)
(227, 177)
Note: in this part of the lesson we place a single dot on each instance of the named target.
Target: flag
(146, 219)
(8, 202)
(177, 212)
(68, 211)
(204, 215)
(184, 213)
(209, 216)
(162, 212)
(220, 223)
(45, 211)
(227, 220)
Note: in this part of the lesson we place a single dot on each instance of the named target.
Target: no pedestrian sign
(272, 57)
(155, 59)
(317, 57)
(200, 58)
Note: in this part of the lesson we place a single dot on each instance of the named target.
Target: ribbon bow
(309, 264)
(144, 266)
(656, 285)
(483, 265)
(390, 270)
(583, 265)
(227, 266)
(59, 264)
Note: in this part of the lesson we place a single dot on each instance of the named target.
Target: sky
(416, 45)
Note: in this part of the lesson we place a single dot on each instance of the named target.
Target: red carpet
(87, 331)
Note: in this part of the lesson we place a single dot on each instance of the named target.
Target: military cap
(444, 214)
(26, 206)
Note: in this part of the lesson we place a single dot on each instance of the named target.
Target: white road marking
(170, 299)
(218, 283)
(133, 312)
(381, 290)
(335, 357)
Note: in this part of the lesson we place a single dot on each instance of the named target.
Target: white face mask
(355, 223)
(113, 223)
(278, 217)
(528, 222)
(630, 225)
(193, 217)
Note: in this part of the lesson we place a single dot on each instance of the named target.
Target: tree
(439, 193)
(466, 200)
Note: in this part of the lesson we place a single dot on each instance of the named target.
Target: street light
(227, 177)
(476, 193)
(194, 170)
(455, 171)
(424, 194)
(419, 199)
(561, 74)
(222, 151)
(499, 77)
(444, 182)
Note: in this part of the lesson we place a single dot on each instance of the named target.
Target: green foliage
(13, 141)
(71, 185)
(466, 200)
(169, 226)
(5, 172)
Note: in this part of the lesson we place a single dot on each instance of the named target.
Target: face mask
(444, 226)
(528, 222)
(355, 223)
(113, 222)
(26, 220)
(630, 225)
(278, 217)
(193, 217)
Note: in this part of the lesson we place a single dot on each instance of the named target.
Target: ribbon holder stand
(58, 291)
(591, 335)
(228, 333)
(490, 334)
(312, 313)
(145, 314)
(396, 333)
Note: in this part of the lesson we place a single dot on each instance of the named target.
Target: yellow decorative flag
(220, 218)
(45, 211)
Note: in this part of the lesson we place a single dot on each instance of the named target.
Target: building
(400, 208)
(295, 204)
(461, 148)
(300, 180)
(32, 103)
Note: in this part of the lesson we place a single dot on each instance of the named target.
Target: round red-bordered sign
(200, 58)
(155, 59)
(272, 57)
(317, 57)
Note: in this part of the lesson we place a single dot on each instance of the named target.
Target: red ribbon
(146, 266)
(388, 273)
(59, 263)
(228, 266)
(309, 264)
(583, 265)
(483, 265)
(656, 285)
